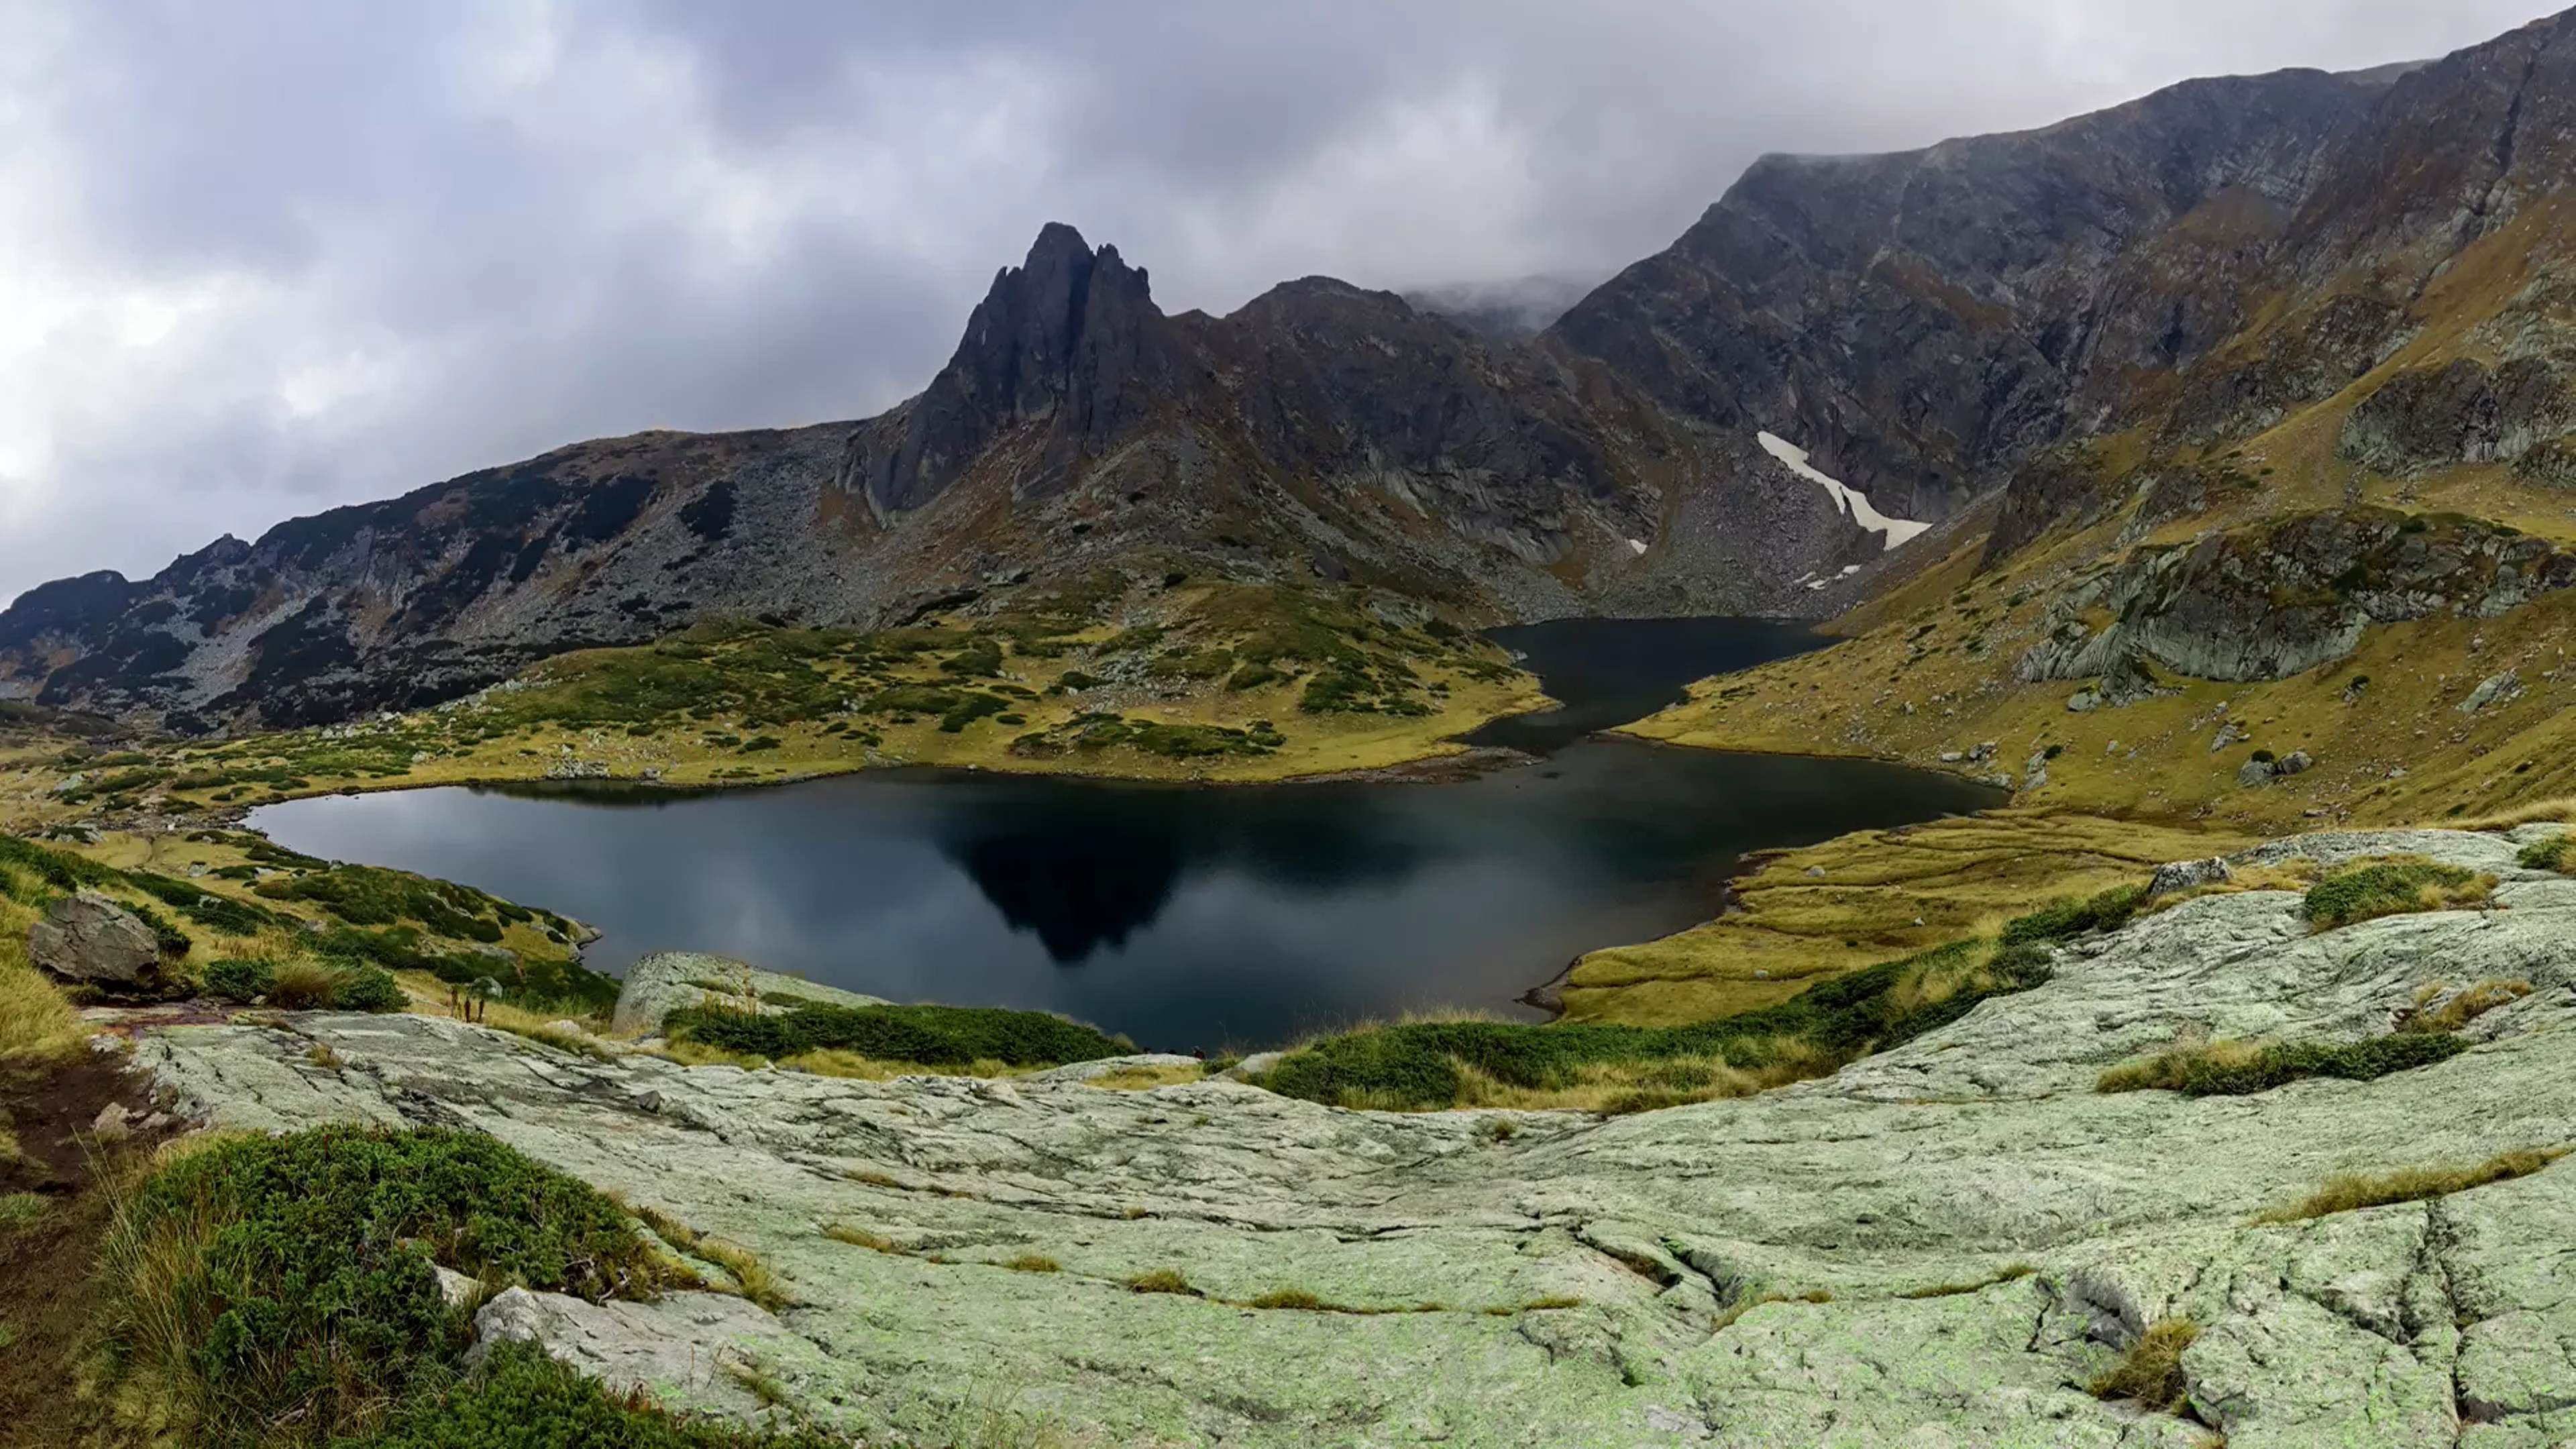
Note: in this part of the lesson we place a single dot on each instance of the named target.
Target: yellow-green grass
(37, 1022)
(1946, 639)
(2401, 721)
(1445, 1064)
(1212, 681)
(1145, 1079)
(1882, 894)
(2414, 1184)
(830, 1063)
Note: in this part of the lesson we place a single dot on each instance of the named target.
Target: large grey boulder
(667, 980)
(1572, 1280)
(90, 938)
(691, 1352)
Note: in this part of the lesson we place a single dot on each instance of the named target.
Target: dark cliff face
(2421, 212)
(1064, 347)
(1921, 321)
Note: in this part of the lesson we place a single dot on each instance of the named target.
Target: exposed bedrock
(1573, 1280)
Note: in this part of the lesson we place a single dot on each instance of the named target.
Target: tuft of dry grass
(303, 984)
(2151, 1372)
(1162, 1280)
(2536, 812)
(2011, 1273)
(752, 1277)
(2432, 1013)
(1297, 1299)
(860, 1238)
(1145, 1079)
(2167, 1071)
(1033, 1263)
(2414, 1184)
(1728, 1315)
(1617, 1089)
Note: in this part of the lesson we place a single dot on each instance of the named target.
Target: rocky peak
(2449, 153)
(1058, 341)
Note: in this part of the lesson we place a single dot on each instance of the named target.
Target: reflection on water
(1183, 917)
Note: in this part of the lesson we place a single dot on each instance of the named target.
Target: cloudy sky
(268, 256)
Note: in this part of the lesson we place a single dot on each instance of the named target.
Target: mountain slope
(2016, 325)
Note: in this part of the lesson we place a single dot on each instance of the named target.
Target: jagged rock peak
(1029, 334)
(1057, 340)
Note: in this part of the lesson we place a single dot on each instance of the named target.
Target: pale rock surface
(1977, 1147)
(666, 980)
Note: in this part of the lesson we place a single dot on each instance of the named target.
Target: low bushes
(939, 1036)
(1431, 1065)
(2396, 885)
(2236, 1068)
(2106, 911)
(2557, 853)
(524, 1399)
(304, 985)
(279, 1290)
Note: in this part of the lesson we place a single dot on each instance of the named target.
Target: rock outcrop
(665, 980)
(90, 939)
(1838, 1262)
(2286, 595)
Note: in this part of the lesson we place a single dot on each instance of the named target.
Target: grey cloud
(299, 253)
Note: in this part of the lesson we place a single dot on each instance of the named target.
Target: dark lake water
(1185, 917)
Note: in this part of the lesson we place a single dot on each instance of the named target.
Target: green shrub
(242, 979)
(278, 1290)
(2232, 1069)
(223, 913)
(2063, 920)
(60, 869)
(171, 940)
(936, 1036)
(2367, 890)
(2557, 853)
(969, 708)
(523, 1398)
(367, 988)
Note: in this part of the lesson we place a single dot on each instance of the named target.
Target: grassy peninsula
(1181, 681)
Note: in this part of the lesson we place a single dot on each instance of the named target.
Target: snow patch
(1637, 544)
(1853, 502)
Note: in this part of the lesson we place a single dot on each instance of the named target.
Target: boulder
(666, 980)
(2296, 762)
(2495, 689)
(2255, 772)
(2183, 875)
(89, 937)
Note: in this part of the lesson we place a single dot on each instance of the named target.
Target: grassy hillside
(2447, 718)
(1190, 681)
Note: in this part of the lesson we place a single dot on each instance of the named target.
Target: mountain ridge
(1988, 318)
